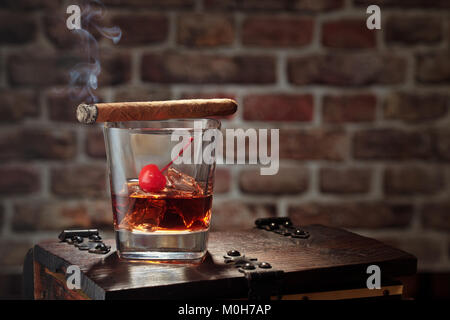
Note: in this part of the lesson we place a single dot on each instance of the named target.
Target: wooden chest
(329, 264)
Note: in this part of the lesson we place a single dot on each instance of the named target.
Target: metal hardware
(273, 226)
(299, 233)
(282, 226)
(263, 282)
(86, 246)
(95, 238)
(248, 266)
(76, 238)
(265, 265)
(267, 221)
(100, 248)
(238, 261)
(67, 234)
(233, 253)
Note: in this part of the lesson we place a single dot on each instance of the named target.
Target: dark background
(364, 140)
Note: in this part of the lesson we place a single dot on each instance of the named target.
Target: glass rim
(172, 124)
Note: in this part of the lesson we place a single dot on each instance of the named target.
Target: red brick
(152, 4)
(350, 69)
(205, 30)
(433, 67)
(345, 181)
(16, 28)
(415, 107)
(19, 180)
(2, 215)
(275, 5)
(448, 32)
(222, 181)
(278, 107)
(448, 250)
(142, 28)
(40, 68)
(436, 216)
(79, 180)
(49, 215)
(288, 180)
(30, 4)
(54, 23)
(62, 103)
(313, 144)
(18, 105)
(142, 93)
(392, 144)
(349, 108)
(277, 31)
(247, 5)
(318, 5)
(55, 28)
(202, 68)
(443, 143)
(28, 68)
(100, 214)
(411, 4)
(12, 252)
(412, 180)
(244, 148)
(116, 69)
(236, 215)
(348, 33)
(412, 30)
(352, 215)
(37, 143)
(207, 95)
(95, 143)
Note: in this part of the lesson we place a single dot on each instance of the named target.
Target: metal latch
(263, 281)
(282, 226)
(76, 238)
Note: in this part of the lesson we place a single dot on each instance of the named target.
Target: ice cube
(133, 186)
(145, 216)
(134, 191)
(179, 181)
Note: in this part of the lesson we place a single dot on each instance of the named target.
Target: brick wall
(364, 140)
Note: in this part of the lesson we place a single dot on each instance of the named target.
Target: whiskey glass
(170, 223)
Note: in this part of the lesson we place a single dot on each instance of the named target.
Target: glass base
(161, 245)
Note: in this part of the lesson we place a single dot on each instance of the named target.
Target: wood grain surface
(327, 260)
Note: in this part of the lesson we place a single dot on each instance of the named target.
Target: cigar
(154, 110)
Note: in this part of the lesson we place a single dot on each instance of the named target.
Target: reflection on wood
(323, 262)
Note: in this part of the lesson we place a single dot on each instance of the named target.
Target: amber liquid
(174, 212)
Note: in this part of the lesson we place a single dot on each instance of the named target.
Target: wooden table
(330, 264)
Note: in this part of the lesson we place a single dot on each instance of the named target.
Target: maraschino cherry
(151, 178)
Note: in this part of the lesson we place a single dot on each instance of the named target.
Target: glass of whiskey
(161, 192)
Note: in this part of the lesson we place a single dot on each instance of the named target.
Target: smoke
(84, 76)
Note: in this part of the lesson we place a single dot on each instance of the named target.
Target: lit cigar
(154, 110)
